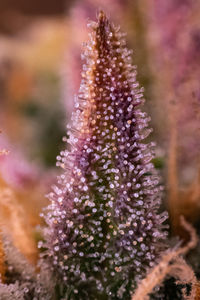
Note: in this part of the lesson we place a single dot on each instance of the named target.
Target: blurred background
(40, 66)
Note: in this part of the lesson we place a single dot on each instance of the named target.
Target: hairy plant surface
(104, 229)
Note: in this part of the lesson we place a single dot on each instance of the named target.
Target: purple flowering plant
(104, 230)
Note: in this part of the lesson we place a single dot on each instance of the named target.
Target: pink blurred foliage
(176, 41)
(14, 168)
(81, 12)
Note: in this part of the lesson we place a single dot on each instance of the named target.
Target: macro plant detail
(103, 227)
(101, 235)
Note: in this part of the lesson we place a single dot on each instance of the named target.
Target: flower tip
(101, 15)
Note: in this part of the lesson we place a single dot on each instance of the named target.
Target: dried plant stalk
(158, 273)
(13, 216)
(197, 291)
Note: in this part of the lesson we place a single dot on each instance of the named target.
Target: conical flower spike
(104, 229)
